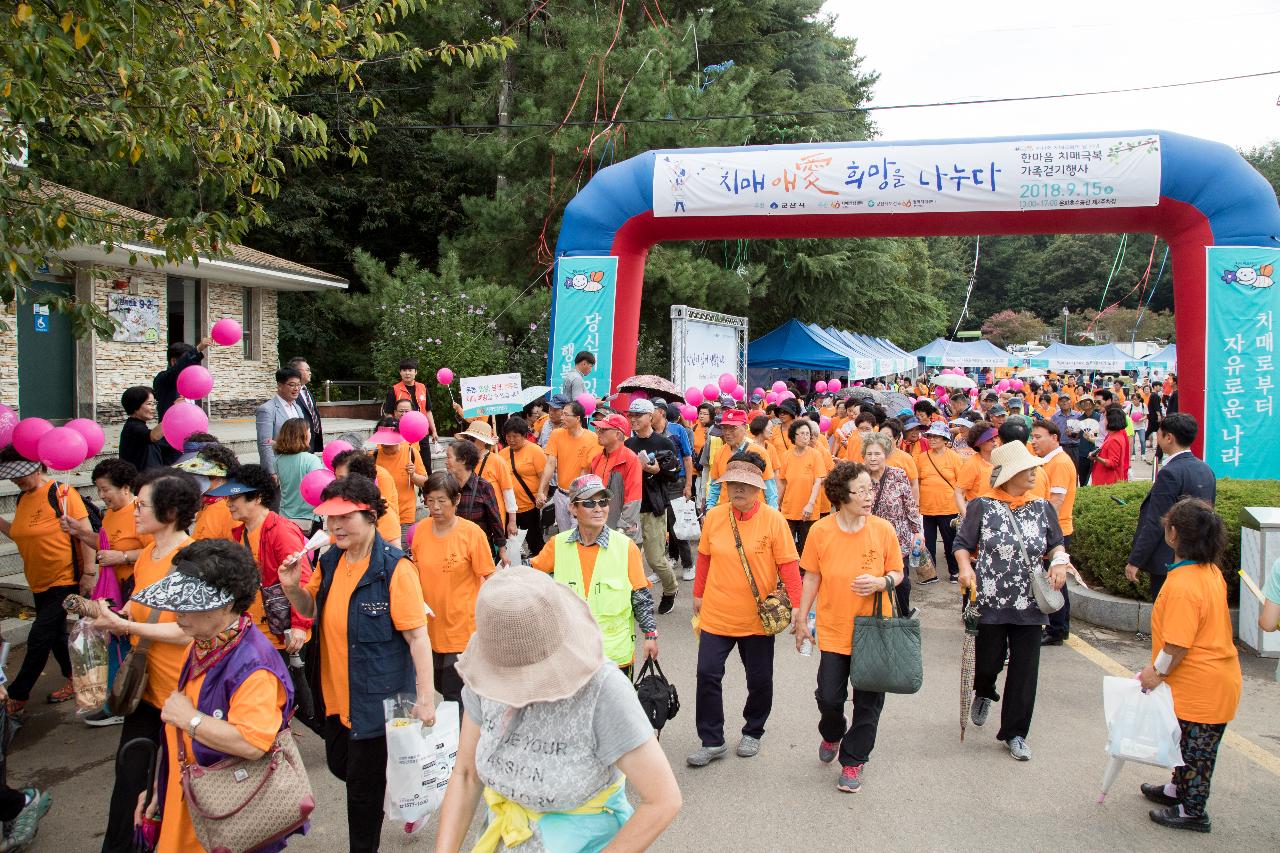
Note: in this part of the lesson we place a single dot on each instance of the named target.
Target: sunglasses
(592, 503)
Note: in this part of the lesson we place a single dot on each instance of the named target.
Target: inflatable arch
(1193, 194)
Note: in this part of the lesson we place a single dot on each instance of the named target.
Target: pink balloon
(728, 382)
(226, 332)
(711, 392)
(779, 386)
(313, 484)
(693, 396)
(689, 413)
(62, 449)
(181, 420)
(332, 450)
(786, 395)
(8, 420)
(820, 387)
(408, 537)
(195, 382)
(824, 424)
(834, 385)
(414, 426)
(588, 403)
(1016, 384)
(771, 397)
(27, 435)
(1002, 386)
(738, 393)
(759, 392)
(444, 376)
(94, 437)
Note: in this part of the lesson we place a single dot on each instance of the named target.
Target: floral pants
(1199, 752)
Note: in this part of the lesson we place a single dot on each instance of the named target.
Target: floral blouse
(1004, 578)
(896, 503)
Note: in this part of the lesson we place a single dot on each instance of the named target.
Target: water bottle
(914, 560)
(806, 645)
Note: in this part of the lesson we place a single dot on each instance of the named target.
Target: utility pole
(1066, 315)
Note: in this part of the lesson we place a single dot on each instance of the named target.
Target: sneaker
(28, 820)
(15, 707)
(101, 718)
(849, 783)
(955, 580)
(978, 712)
(931, 580)
(1048, 639)
(63, 694)
(827, 751)
(1157, 794)
(748, 747)
(705, 755)
(689, 574)
(667, 603)
(1018, 749)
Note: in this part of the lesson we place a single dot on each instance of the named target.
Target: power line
(819, 112)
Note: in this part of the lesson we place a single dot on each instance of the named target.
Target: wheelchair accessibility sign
(41, 315)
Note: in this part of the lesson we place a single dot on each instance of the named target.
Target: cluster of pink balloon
(66, 448)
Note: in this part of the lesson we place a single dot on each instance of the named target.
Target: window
(250, 323)
(183, 298)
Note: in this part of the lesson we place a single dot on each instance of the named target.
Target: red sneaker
(849, 783)
(827, 751)
(62, 694)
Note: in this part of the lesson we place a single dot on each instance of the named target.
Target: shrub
(1104, 530)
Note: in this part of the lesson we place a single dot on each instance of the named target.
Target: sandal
(62, 694)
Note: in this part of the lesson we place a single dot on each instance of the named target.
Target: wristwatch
(194, 724)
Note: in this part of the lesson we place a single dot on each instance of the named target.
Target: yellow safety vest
(610, 594)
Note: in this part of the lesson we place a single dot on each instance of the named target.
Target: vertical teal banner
(1241, 430)
(582, 319)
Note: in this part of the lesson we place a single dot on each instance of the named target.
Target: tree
(204, 91)
(1119, 325)
(1013, 327)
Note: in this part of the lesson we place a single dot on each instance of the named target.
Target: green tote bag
(886, 651)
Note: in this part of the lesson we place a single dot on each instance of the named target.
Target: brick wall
(9, 356)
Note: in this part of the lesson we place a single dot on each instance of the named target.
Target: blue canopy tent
(794, 346)
(1060, 356)
(1167, 358)
(861, 364)
(895, 355)
(981, 353)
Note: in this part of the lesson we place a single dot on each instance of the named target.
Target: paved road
(924, 790)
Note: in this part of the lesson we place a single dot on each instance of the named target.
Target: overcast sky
(928, 50)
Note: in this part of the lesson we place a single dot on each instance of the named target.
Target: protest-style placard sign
(491, 395)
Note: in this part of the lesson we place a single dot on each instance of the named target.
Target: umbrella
(967, 656)
(1030, 373)
(895, 402)
(528, 395)
(859, 393)
(652, 384)
(950, 380)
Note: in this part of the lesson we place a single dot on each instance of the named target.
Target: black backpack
(657, 696)
(93, 513)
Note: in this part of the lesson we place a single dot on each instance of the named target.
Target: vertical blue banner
(1241, 430)
(582, 319)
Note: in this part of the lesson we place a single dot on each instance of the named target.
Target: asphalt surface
(923, 789)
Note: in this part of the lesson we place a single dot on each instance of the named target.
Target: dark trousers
(12, 801)
(1060, 621)
(362, 765)
(131, 777)
(1084, 468)
(859, 738)
(303, 701)
(448, 682)
(1157, 581)
(756, 653)
(530, 521)
(800, 533)
(48, 634)
(903, 591)
(677, 548)
(933, 525)
(1200, 753)
(1023, 645)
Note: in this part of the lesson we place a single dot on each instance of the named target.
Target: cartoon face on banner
(1240, 430)
(583, 319)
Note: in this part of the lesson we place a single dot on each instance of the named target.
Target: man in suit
(308, 404)
(1183, 476)
(272, 414)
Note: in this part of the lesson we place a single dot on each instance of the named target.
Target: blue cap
(229, 489)
(905, 413)
(912, 423)
(558, 401)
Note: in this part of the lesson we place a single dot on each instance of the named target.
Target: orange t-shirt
(838, 557)
(800, 471)
(726, 452)
(851, 451)
(394, 462)
(901, 459)
(587, 556)
(937, 495)
(164, 661)
(498, 473)
(975, 477)
(1060, 473)
(257, 712)
(829, 462)
(407, 612)
(728, 607)
(450, 569)
(573, 455)
(121, 529)
(531, 461)
(214, 521)
(389, 523)
(1191, 611)
(44, 548)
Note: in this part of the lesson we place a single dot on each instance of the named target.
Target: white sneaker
(689, 573)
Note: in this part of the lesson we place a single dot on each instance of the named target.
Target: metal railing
(343, 396)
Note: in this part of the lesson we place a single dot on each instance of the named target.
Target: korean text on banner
(1241, 430)
(1042, 174)
(710, 351)
(491, 395)
(583, 319)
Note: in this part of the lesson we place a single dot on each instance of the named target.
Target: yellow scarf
(1013, 502)
(510, 821)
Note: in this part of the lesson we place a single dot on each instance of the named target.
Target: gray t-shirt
(573, 386)
(554, 756)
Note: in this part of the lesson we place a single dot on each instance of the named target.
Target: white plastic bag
(88, 649)
(686, 525)
(515, 548)
(1141, 726)
(419, 761)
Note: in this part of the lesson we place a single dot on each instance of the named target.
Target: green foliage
(1013, 327)
(1104, 530)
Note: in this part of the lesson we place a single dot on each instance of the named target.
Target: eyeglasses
(143, 505)
(859, 493)
(592, 503)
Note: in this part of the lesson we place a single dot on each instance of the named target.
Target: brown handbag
(239, 805)
(131, 679)
(774, 608)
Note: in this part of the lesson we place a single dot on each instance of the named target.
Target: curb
(15, 631)
(1120, 614)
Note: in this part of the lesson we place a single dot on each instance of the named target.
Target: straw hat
(535, 640)
(742, 472)
(1009, 459)
(480, 431)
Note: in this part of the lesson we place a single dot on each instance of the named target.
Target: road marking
(1262, 757)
